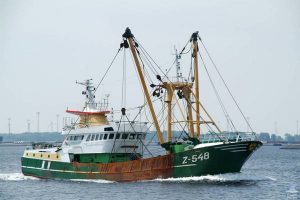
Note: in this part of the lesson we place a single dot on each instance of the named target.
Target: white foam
(16, 177)
(92, 180)
(210, 178)
(219, 178)
(21, 177)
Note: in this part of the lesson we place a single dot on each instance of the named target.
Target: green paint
(103, 157)
(196, 162)
(177, 148)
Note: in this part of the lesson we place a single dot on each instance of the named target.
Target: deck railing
(227, 136)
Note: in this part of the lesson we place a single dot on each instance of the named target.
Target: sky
(45, 46)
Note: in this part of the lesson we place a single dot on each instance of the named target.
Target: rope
(115, 138)
(136, 135)
(107, 70)
(114, 58)
(217, 93)
(215, 66)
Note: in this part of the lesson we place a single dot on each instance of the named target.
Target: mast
(187, 95)
(90, 104)
(178, 72)
(92, 114)
(129, 37)
(168, 87)
(194, 38)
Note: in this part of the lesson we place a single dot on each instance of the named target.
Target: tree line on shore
(277, 138)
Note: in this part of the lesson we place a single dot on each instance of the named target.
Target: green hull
(223, 158)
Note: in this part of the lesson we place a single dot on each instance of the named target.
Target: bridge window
(78, 137)
(111, 136)
(124, 136)
(108, 129)
(132, 136)
(88, 138)
(118, 136)
(105, 136)
(93, 138)
(101, 136)
(139, 136)
(97, 137)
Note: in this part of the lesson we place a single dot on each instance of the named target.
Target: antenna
(89, 94)
(107, 101)
(178, 70)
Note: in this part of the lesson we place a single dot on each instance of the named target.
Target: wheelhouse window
(139, 136)
(105, 136)
(111, 136)
(124, 136)
(108, 129)
(132, 136)
(93, 138)
(101, 137)
(77, 137)
(88, 138)
(97, 137)
(118, 136)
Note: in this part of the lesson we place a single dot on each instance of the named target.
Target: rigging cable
(114, 58)
(217, 94)
(137, 136)
(107, 69)
(215, 66)
(146, 53)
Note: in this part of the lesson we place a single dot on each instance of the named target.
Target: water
(271, 173)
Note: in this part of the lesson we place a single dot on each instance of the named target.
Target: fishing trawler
(99, 148)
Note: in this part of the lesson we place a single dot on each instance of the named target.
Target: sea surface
(271, 173)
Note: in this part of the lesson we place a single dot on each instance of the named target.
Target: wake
(221, 178)
(15, 177)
